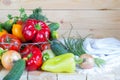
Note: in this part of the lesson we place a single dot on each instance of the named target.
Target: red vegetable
(9, 41)
(45, 46)
(33, 57)
(36, 31)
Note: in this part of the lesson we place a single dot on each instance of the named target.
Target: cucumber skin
(58, 48)
(17, 70)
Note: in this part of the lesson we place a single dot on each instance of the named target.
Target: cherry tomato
(44, 46)
(9, 41)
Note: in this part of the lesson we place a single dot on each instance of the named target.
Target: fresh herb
(23, 16)
(74, 45)
(37, 14)
(99, 62)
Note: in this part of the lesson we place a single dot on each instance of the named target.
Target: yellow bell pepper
(2, 32)
(17, 31)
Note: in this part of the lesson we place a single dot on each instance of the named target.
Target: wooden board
(101, 77)
(40, 75)
(98, 23)
(100, 18)
(60, 4)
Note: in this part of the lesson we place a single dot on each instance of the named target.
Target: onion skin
(9, 57)
(88, 61)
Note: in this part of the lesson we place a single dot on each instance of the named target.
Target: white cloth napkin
(107, 49)
(105, 46)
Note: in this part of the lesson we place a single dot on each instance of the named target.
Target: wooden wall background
(101, 18)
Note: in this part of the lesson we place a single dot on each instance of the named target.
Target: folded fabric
(105, 46)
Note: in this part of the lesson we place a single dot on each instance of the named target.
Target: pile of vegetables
(31, 42)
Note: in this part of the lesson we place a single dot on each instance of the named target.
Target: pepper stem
(29, 56)
(37, 26)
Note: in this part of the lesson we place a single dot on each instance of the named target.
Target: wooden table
(39, 75)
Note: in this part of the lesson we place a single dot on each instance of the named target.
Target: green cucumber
(58, 48)
(16, 71)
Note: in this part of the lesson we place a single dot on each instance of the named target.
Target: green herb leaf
(9, 16)
(23, 16)
(37, 14)
(74, 45)
(99, 62)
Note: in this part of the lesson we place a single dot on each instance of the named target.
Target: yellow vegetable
(17, 31)
(2, 32)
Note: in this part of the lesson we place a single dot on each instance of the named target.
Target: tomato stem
(8, 40)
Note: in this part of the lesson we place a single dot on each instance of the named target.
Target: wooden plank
(60, 4)
(79, 16)
(74, 16)
(101, 76)
(4, 72)
(93, 33)
(97, 23)
(38, 75)
(71, 76)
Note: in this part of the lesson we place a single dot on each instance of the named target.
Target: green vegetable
(22, 16)
(7, 25)
(75, 45)
(54, 26)
(54, 35)
(2, 51)
(17, 70)
(58, 48)
(99, 62)
(47, 54)
(61, 63)
(37, 14)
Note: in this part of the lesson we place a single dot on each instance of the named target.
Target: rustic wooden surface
(40, 75)
(100, 18)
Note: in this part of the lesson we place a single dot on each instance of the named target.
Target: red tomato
(9, 41)
(45, 46)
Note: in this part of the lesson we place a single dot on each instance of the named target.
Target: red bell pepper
(36, 31)
(33, 57)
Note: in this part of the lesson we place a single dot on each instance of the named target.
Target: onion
(9, 57)
(88, 61)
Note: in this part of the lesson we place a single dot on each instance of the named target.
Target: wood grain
(39, 75)
(101, 77)
(95, 22)
(60, 4)
(4, 72)
(71, 76)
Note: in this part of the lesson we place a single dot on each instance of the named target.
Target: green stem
(37, 26)
(29, 56)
